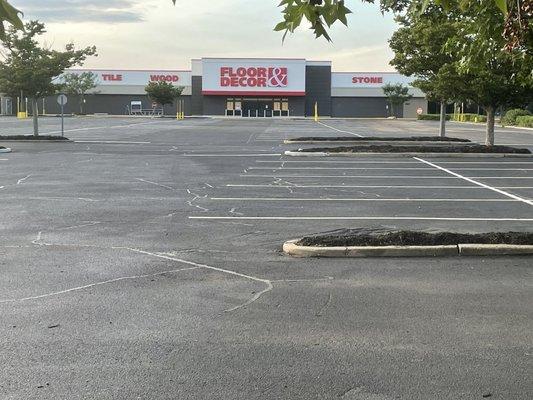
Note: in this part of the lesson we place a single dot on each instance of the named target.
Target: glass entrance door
(257, 107)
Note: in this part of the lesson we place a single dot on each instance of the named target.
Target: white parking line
(391, 218)
(471, 180)
(384, 168)
(356, 199)
(380, 176)
(375, 186)
(90, 128)
(392, 162)
(233, 155)
(340, 130)
(109, 142)
(333, 168)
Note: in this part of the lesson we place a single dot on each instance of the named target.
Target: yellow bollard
(316, 111)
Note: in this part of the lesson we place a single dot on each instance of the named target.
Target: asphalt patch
(388, 237)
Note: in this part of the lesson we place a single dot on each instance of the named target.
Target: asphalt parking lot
(142, 261)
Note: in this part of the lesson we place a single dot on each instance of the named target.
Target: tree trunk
(489, 140)
(35, 117)
(81, 105)
(442, 127)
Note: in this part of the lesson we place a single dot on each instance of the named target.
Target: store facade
(248, 88)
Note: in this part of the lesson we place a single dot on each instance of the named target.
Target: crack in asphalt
(21, 180)
(196, 197)
(38, 241)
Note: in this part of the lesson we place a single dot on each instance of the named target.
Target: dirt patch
(380, 139)
(31, 137)
(387, 148)
(388, 237)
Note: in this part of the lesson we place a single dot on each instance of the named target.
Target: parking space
(143, 260)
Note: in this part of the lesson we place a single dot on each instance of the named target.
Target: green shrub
(431, 117)
(525, 121)
(510, 117)
(468, 117)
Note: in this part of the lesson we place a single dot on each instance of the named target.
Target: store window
(233, 107)
(281, 108)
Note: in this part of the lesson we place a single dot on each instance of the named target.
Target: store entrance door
(257, 107)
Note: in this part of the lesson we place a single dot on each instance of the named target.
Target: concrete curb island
(370, 154)
(35, 141)
(291, 248)
(379, 142)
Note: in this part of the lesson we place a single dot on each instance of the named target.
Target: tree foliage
(466, 60)
(419, 47)
(79, 85)
(29, 69)
(163, 92)
(9, 14)
(397, 94)
(322, 14)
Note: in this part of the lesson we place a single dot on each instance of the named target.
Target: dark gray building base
(113, 104)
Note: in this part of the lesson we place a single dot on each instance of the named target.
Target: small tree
(419, 47)
(397, 95)
(30, 69)
(79, 85)
(163, 92)
(496, 78)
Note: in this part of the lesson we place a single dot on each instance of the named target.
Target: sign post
(62, 100)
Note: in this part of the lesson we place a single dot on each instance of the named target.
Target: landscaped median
(379, 242)
(375, 140)
(458, 150)
(16, 138)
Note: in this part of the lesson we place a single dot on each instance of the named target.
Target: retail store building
(249, 87)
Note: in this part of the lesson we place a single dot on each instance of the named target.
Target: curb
(453, 155)
(35, 141)
(291, 248)
(493, 249)
(378, 142)
(6, 150)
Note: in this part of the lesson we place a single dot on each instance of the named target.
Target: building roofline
(128, 70)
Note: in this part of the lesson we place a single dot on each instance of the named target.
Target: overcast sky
(154, 34)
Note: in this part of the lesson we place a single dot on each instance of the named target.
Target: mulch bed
(381, 139)
(32, 137)
(387, 237)
(387, 148)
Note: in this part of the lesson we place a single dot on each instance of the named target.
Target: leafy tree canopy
(322, 14)
(79, 85)
(9, 14)
(419, 47)
(29, 68)
(397, 94)
(163, 92)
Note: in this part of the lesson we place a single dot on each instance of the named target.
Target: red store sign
(164, 78)
(367, 79)
(255, 77)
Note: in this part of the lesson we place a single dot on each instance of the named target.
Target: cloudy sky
(154, 34)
